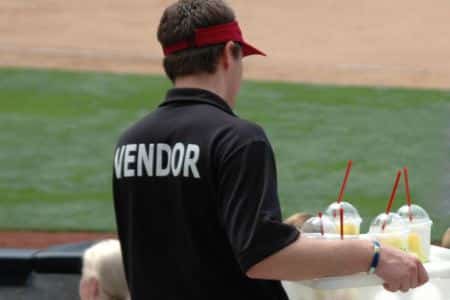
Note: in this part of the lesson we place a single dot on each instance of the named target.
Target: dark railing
(41, 274)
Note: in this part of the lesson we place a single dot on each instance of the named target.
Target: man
(195, 186)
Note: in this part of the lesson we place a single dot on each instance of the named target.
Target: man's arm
(265, 248)
(309, 258)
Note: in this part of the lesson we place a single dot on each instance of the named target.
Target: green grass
(58, 130)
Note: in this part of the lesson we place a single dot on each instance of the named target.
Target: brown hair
(298, 219)
(178, 23)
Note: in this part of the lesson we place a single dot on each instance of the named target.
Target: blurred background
(359, 79)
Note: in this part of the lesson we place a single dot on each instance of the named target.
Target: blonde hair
(103, 262)
(298, 219)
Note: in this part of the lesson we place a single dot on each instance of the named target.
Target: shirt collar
(194, 95)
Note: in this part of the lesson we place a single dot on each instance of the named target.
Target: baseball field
(58, 128)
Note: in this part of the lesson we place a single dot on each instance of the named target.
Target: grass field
(58, 130)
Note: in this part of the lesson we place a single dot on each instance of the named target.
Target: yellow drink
(415, 246)
(351, 229)
(392, 240)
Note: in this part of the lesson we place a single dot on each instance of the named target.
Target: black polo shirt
(195, 194)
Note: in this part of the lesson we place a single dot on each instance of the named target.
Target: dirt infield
(401, 43)
(40, 240)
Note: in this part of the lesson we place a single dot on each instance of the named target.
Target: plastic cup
(351, 226)
(316, 225)
(319, 236)
(390, 229)
(397, 240)
(332, 236)
(352, 219)
(419, 238)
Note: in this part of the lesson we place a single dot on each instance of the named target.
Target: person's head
(103, 276)
(208, 55)
(298, 219)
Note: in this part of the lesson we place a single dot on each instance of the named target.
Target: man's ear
(228, 56)
(89, 289)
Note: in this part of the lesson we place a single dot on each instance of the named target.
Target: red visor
(214, 35)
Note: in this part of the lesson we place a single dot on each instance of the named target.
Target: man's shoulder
(247, 131)
(136, 130)
(237, 135)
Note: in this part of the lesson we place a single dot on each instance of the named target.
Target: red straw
(391, 200)
(341, 195)
(321, 224)
(394, 190)
(344, 183)
(408, 194)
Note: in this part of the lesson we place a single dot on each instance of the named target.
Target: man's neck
(206, 82)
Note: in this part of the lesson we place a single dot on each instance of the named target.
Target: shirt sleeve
(249, 208)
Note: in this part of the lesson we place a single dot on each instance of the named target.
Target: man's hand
(399, 270)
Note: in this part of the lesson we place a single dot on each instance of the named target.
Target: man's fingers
(422, 274)
(387, 287)
(414, 281)
(414, 275)
(391, 287)
(404, 287)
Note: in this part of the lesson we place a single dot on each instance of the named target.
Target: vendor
(201, 219)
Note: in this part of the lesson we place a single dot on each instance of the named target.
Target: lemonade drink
(397, 240)
(390, 229)
(351, 227)
(352, 219)
(419, 225)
